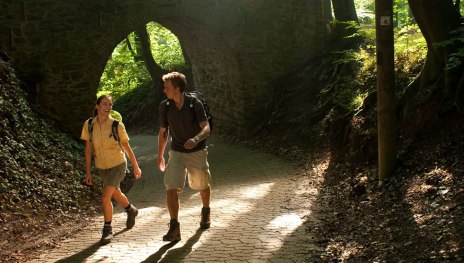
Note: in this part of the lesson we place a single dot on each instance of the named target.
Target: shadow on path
(88, 252)
(175, 254)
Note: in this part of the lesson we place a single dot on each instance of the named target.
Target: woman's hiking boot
(132, 212)
(205, 222)
(173, 232)
(107, 235)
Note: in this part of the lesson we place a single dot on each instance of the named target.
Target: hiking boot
(132, 212)
(173, 232)
(107, 235)
(205, 222)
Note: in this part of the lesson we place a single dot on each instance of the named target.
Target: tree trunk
(155, 71)
(345, 11)
(386, 119)
(327, 10)
(346, 18)
(436, 19)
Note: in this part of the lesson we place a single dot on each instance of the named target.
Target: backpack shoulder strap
(114, 130)
(115, 133)
(90, 128)
(191, 101)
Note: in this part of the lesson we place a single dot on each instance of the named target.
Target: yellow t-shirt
(107, 152)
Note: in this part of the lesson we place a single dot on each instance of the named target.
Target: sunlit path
(255, 215)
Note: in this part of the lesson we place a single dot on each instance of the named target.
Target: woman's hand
(88, 179)
(137, 173)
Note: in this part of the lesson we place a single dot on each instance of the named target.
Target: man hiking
(184, 118)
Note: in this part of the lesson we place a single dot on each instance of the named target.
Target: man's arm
(162, 142)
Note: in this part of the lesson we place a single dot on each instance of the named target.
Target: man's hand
(191, 143)
(160, 164)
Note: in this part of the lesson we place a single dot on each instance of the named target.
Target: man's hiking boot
(132, 212)
(107, 234)
(173, 232)
(205, 222)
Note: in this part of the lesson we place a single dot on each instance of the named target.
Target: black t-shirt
(182, 124)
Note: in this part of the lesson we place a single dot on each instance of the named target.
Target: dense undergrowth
(41, 170)
(331, 100)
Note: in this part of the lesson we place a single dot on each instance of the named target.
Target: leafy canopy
(124, 73)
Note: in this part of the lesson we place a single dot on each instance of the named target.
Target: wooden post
(386, 119)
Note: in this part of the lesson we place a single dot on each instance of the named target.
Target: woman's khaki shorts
(192, 165)
(113, 176)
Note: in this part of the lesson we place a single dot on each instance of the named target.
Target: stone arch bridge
(236, 47)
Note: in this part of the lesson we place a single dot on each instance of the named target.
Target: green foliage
(116, 115)
(410, 53)
(455, 59)
(140, 117)
(368, 5)
(41, 167)
(401, 9)
(366, 12)
(165, 47)
(358, 75)
(123, 73)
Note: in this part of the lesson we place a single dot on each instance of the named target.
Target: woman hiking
(107, 143)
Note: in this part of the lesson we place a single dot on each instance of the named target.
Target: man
(185, 119)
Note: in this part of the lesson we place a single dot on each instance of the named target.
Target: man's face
(170, 90)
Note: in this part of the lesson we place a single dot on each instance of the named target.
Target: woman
(110, 162)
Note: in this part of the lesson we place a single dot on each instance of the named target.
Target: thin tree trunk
(386, 119)
(131, 50)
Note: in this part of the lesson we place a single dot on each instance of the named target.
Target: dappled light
(256, 212)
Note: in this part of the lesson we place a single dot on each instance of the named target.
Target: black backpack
(192, 95)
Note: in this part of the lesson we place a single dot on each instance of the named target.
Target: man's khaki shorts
(113, 176)
(192, 165)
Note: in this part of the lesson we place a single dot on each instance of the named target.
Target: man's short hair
(177, 79)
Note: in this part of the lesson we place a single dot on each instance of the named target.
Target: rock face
(236, 47)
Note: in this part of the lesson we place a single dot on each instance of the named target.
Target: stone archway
(236, 47)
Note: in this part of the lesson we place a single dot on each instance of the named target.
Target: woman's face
(104, 107)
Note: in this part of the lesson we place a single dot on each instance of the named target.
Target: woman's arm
(130, 154)
(88, 162)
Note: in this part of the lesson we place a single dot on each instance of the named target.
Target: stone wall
(236, 47)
